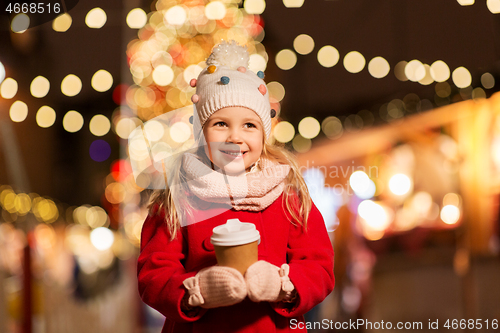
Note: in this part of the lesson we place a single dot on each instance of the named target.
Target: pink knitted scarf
(252, 191)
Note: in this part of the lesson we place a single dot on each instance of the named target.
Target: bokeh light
(301, 144)
(2, 72)
(102, 238)
(62, 23)
(71, 85)
(359, 181)
(254, 6)
(303, 44)
(45, 210)
(276, 90)
(374, 214)
(163, 75)
(309, 127)
(332, 127)
(180, 132)
(99, 150)
(478, 93)
(191, 72)
(46, 116)
(96, 18)
(102, 80)
(176, 16)
(39, 87)
(415, 70)
(452, 199)
(138, 148)
(487, 80)
(99, 125)
(96, 217)
(80, 213)
(400, 184)
(367, 192)
(120, 170)
(328, 56)
(115, 192)
(440, 71)
(72, 121)
(8, 199)
(399, 71)
(18, 111)
(443, 89)
(154, 130)
(125, 126)
(286, 59)
(461, 77)
(378, 67)
(394, 110)
(8, 88)
(22, 203)
(137, 18)
(450, 214)
(20, 23)
(354, 62)
(216, 10)
(257, 63)
(493, 6)
(427, 79)
(353, 123)
(284, 131)
(293, 3)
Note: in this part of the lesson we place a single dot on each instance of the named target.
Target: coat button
(207, 245)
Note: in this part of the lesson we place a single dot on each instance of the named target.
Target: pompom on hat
(227, 81)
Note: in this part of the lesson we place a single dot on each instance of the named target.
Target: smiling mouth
(234, 153)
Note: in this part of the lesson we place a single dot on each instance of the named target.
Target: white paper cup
(236, 244)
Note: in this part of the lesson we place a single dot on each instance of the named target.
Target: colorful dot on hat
(262, 89)
(260, 74)
(191, 119)
(273, 113)
(211, 69)
(242, 69)
(195, 98)
(192, 83)
(224, 80)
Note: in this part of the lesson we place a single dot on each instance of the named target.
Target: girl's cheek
(207, 148)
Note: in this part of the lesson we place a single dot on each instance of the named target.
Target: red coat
(163, 265)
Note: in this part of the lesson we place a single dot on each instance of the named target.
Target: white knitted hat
(227, 81)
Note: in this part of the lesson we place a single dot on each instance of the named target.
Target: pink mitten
(266, 282)
(216, 286)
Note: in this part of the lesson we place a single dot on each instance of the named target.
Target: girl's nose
(234, 136)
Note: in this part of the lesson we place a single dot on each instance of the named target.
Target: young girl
(178, 273)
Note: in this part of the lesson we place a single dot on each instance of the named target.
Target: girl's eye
(220, 123)
(250, 125)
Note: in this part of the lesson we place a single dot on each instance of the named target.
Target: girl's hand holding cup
(236, 246)
(215, 287)
(269, 283)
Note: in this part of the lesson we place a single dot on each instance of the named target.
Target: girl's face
(235, 139)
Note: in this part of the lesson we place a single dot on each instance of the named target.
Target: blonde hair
(296, 198)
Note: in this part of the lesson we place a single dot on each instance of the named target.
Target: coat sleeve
(160, 272)
(310, 257)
